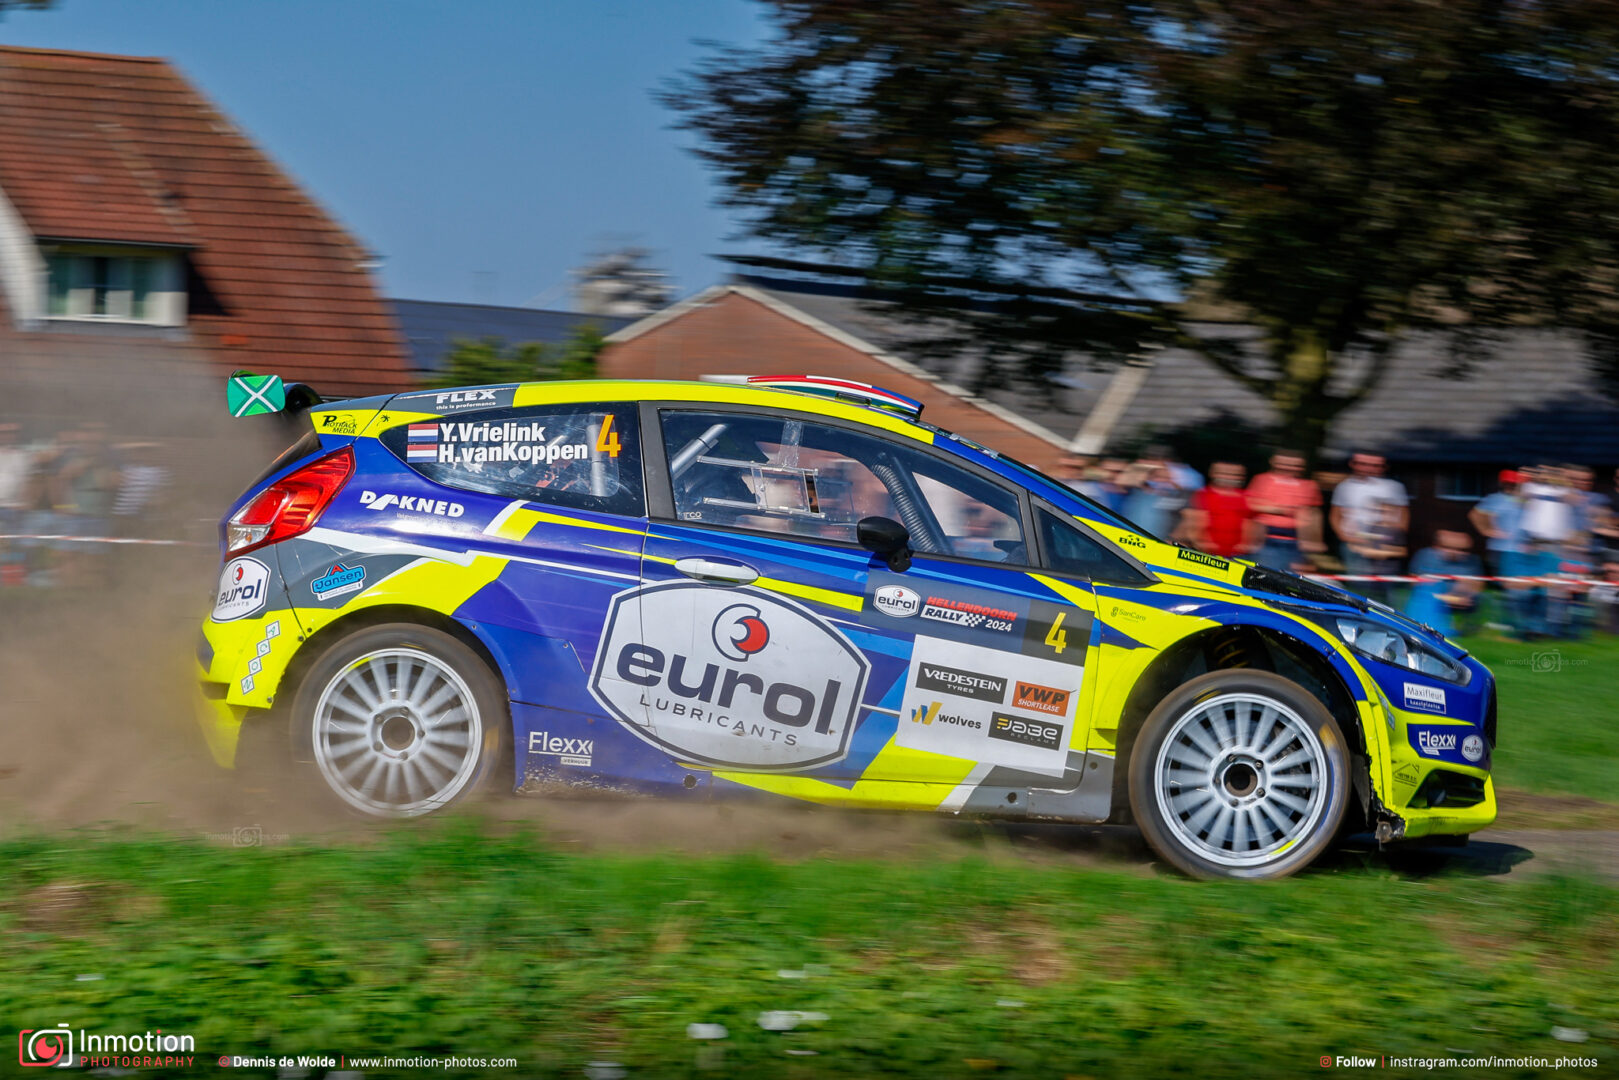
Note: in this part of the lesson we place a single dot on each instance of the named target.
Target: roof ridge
(82, 55)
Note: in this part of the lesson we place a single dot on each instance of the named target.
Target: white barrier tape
(101, 540)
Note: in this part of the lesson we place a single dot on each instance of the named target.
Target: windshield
(1112, 517)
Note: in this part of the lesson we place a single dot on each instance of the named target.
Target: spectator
(1184, 477)
(1567, 601)
(1156, 504)
(1370, 516)
(1548, 510)
(1605, 598)
(1498, 517)
(1607, 525)
(1590, 508)
(1287, 505)
(140, 485)
(1437, 601)
(1218, 518)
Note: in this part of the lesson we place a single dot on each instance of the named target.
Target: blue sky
(483, 149)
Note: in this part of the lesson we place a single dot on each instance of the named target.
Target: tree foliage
(490, 360)
(1334, 172)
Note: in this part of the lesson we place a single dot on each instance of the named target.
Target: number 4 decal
(1057, 637)
(607, 442)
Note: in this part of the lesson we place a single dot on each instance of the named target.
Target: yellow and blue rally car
(795, 588)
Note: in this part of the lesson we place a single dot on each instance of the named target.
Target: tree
(489, 360)
(1334, 172)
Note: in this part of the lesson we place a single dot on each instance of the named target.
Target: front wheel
(402, 720)
(1239, 774)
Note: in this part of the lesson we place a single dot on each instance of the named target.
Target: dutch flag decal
(421, 442)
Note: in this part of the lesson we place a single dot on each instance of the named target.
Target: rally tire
(1239, 774)
(402, 720)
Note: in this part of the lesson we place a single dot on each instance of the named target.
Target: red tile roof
(122, 148)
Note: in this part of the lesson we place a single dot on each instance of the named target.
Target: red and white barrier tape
(101, 540)
(1410, 580)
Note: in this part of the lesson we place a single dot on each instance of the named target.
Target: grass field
(1559, 714)
(447, 939)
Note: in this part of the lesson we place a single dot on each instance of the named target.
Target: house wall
(736, 335)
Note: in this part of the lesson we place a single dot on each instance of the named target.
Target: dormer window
(115, 286)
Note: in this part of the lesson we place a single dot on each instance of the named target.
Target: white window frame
(164, 302)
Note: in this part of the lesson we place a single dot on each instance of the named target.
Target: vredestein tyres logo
(729, 677)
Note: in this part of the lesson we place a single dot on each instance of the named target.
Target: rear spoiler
(247, 394)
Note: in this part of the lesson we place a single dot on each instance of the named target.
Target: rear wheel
(1239, 774)
(403, 720)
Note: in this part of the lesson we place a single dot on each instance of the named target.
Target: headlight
(1392, 646)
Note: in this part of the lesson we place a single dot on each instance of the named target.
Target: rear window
(587, 457)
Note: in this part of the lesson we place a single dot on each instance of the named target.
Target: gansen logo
(961, 683)
(414, 504)
(760, 684)
(338, 581)
(1044, 699)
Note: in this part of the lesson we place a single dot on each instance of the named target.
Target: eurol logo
(413, 504)
(751, 681)
(244, 585)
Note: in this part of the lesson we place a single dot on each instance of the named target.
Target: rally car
(794, 587)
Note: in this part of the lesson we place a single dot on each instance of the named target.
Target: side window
(1070, 551)
(791, 476)
(587, 457)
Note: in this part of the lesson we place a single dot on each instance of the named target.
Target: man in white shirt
(16, 464)
(1370, 514)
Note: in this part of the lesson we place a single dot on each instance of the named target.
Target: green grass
(1559, 714)
(443, 939)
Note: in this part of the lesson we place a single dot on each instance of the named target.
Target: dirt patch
(1527, 810)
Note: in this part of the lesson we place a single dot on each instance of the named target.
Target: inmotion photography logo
(45, 1047)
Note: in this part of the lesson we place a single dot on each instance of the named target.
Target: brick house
(148, 248)
(761, 326)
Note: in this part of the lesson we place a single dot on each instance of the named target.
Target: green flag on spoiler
(248, 394)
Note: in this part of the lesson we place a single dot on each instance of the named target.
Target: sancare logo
(729, 678)
(244, 585)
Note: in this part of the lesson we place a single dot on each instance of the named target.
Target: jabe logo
(415, 504)
(897, 601)
(244, 585)
(742, 679)
(739, 632)
(45, 1047)
(1473, 748)
(338, 581)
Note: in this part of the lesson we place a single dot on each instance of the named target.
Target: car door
(772, 643)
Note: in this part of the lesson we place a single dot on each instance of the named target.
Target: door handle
(713, 572)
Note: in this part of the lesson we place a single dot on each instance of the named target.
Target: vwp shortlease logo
(729, 677)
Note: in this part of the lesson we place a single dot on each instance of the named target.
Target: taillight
(289, 506)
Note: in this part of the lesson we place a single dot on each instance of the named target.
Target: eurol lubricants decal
(729, 677)
(244, 586)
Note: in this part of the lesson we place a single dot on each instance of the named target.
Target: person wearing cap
(1499, 518)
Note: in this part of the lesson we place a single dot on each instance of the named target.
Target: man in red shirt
(1219, 519)
(1287, 505)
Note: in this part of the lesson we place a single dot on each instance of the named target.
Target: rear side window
(587, 457)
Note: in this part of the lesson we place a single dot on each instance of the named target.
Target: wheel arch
(1234, 646)
(360, 619)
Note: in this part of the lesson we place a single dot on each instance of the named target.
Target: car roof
(587, 390)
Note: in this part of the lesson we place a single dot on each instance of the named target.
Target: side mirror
(887, 538)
